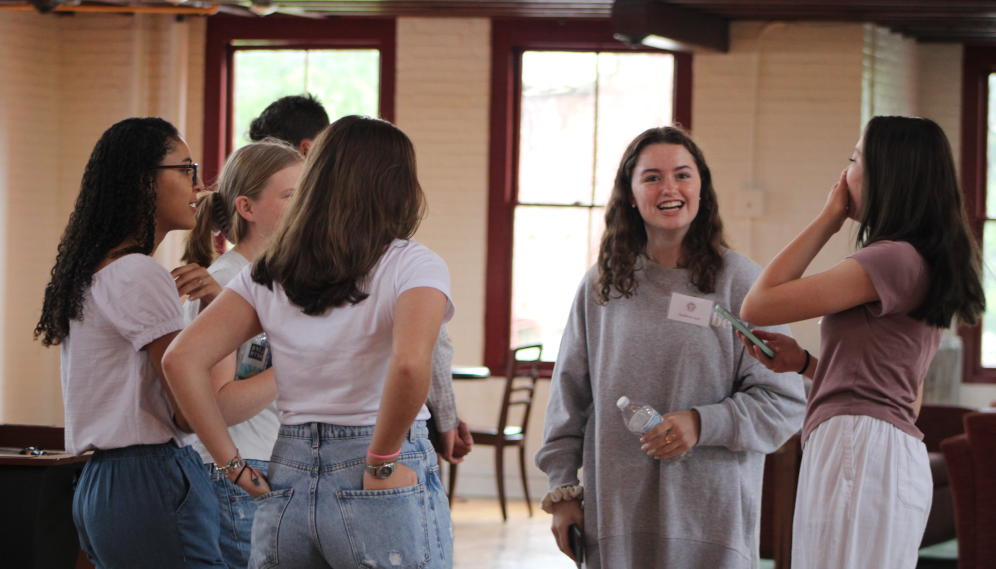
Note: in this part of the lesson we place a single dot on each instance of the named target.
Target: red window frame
(509, 39)
(286, 32)
(978, 62)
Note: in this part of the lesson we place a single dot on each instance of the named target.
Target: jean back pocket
(266, 528)
(387, 528)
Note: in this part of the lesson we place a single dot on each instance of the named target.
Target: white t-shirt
(332, 368)
(112, 394)
(254, 438)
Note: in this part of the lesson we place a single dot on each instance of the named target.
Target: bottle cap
(623, 402)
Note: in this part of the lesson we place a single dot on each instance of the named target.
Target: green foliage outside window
(347, 81)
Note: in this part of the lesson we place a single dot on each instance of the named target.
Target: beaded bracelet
(233, 465)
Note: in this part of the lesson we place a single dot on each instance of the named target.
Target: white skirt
(864, 494)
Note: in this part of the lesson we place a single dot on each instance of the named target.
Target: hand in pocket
(402, 478)
(253, 482)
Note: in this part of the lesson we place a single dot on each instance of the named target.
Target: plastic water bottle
(638, 418)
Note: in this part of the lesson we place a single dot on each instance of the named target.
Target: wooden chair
(521, 375)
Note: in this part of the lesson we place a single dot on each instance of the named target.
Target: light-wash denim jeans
(237, 510)
(319, 516)
(147, 506)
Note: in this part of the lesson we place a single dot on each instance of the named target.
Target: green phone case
(740, 326)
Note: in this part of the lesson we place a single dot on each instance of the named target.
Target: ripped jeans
(318, 515)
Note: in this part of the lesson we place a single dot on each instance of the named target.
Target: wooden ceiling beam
(688, 29)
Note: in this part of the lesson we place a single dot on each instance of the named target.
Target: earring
(632, 205)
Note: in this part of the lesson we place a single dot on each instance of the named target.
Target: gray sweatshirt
(643, 513)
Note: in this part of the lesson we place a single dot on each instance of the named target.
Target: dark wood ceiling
(925, 20)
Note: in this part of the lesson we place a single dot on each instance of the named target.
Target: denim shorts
(147, 506)
(237, 509)
(318, 514)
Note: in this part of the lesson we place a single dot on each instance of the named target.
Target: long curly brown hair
(625, 237)
(117, 200)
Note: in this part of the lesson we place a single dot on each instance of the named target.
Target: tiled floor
(482, 541)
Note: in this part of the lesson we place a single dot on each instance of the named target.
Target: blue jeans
(318, 514)
(237, 509)
(147, 506)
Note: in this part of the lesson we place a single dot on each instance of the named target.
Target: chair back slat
(521, 375)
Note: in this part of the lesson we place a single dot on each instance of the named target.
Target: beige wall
(63, 81)
(779, 114)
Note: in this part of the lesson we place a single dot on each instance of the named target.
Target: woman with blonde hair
(255, 186)
(351, 308)
(633, 331)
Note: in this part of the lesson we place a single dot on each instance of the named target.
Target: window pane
(991, 151)
(556, 142)
(261, 77)
(347, 81)
(634, 94)
(989, 284)
(554, 246)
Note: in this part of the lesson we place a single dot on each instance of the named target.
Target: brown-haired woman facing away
(662, 254)
(254, 188)
(351, 308)
(865, 488)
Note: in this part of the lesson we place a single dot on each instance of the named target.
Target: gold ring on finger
(669, 439)
(200, 282)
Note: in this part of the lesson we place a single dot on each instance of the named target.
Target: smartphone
(740, 326)
(576, 541)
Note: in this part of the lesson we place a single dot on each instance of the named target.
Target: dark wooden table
(36, 528)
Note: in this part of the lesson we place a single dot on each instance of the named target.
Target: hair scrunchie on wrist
(559, 495)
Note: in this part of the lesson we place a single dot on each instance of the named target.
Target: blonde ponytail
(245, 173)
(199, 246)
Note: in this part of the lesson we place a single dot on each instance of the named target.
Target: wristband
(805, 367)
(233, 465)
(383, 457)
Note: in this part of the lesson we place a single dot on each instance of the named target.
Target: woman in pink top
(865, 487)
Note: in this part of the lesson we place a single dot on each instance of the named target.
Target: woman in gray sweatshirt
(642, 326)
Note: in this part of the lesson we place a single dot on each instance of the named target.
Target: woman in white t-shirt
(351, 308)
(254, 187)
(143, 496)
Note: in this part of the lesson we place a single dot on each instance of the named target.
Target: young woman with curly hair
(865, 487)
(351, 308)
(629, 333)
(143, 497)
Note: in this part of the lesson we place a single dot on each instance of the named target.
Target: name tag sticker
(690, 310)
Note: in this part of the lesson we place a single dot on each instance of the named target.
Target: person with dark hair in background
(351, 308)
(298, 120)
(865, 488)
(646, 503)
(144, 497)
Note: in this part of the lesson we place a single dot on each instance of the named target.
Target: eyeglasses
(181, 167)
